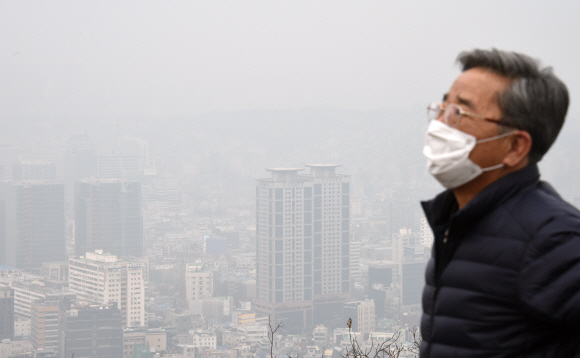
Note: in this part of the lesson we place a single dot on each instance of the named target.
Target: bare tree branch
(271, 335)
(389, 348)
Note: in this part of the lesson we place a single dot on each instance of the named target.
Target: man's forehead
(476, 87)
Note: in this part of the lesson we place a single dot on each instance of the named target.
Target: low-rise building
(320, 335)
(157, 339)
(131, 339)
(21, 326)
(204, 338)
(10, 349)
(241, 318)
(28, 291)
(254, 333)
(362, 314)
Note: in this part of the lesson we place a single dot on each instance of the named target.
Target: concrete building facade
(90, 331)
(103, 278)
(198, 281)
(362, 314)
(44, 325)
(303, 242)
(28, 291)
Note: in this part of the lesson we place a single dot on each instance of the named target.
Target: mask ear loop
(492, 168)
(489, 140)
(496, 137)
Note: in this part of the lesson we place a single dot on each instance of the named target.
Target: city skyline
(236, 180)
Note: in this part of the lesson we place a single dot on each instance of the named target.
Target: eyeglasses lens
(452, 115)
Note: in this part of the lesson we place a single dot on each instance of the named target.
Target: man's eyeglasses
(452, 114)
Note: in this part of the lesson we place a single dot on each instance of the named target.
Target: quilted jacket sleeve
(550, 278)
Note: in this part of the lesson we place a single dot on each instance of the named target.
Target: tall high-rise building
(108, 217)
(50, 153)
(8, 156)
(120, 165)
(426, 233)
(6, 312)
(403, 215)
(103, 278)
(129, 160)
(303, 241)
(80, 158)
(355, 271)
(80, 162)
(32, 225)
(34, 170)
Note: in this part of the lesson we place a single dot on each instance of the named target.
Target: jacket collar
(443, 208)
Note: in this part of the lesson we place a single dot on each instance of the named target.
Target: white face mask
(447, 150)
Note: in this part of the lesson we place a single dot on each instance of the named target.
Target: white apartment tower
(302, 239)
(103, 278)
(198, 284)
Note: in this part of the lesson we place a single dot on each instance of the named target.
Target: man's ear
(520, 144)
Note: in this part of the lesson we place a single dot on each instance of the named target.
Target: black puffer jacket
(505, 280)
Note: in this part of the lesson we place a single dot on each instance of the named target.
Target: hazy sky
(120, 58)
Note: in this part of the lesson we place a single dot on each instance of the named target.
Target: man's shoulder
(541, 211)
(540, 200)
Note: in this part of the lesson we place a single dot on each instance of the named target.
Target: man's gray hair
(536, 101)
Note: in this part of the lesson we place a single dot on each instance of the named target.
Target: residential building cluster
(102, 255)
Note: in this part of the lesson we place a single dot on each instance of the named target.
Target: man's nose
(441, 116)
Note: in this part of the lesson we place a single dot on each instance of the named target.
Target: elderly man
(504, 279)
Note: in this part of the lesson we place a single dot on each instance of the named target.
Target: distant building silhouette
(32, 226)
(120, 165)
(8, 156)
(34, 170)
(108, 217)
(403, 215)
(80, 158)
(80, 162)
(6, 312)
